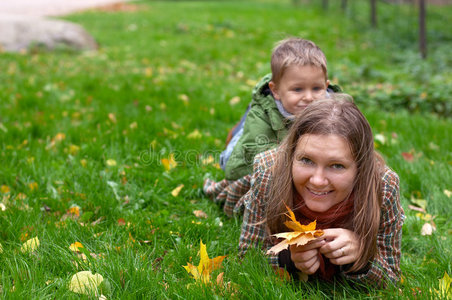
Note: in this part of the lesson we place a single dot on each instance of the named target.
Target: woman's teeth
(319, 193)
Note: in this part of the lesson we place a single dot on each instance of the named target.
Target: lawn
(109, 148)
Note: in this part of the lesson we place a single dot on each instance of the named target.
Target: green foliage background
(125, 102)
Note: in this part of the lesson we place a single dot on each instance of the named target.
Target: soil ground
(50, 7)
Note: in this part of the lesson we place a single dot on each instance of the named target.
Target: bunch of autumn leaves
(300, 235)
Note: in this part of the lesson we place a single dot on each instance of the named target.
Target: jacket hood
(261, 89)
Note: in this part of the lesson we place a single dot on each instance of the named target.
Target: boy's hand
(306, 257)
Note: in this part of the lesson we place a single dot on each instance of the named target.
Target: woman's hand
(306, 257)
(341, 246)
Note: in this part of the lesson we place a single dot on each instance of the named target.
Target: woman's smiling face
(323, 170)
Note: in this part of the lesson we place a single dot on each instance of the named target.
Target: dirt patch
(120, 7)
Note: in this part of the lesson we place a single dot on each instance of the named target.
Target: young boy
(299, 76)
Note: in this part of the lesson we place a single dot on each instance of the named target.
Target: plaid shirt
(386, 263)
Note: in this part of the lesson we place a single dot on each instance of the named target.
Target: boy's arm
(258, 136)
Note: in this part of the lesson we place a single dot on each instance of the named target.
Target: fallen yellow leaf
(131, 239)
(380, 138)
(73, 149)
(177, 190)
(74, 210)
(234, 100)
(424, 216)
(148, 72)
(59, 137)
(76, 246)
(30, 245)
(427, 229)
(195, 134)
(422, 203)
(300, 235)
(4, 189)
(445, 286)
(112, 118)
(208, 160)
(220, 279)
(82, 256)
(206, 266)
(184, 98)
(33, 186)
(251, 82)
(448, 193)
(85, 282)
(83, 162)
(1, 248)
(111, 162)
(153, 144)
(21, 196)
(169, 163)
(200, 214)
(23, 236)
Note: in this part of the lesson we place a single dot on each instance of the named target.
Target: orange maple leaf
(300, 235)
(206, 265)
(74, 210)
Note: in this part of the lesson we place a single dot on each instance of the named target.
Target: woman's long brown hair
(338, 116)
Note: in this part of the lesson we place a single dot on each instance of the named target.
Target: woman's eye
(338, 166)
(305, 161)
(298, 89)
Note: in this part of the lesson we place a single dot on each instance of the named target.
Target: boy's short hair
(296, 52)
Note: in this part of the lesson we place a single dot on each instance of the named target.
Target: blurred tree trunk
(325, 4)
(422, 37)
(344, 5)
(373, 13)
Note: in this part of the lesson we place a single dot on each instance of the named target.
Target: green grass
(124, 102)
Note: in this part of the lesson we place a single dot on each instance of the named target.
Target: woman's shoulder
(391, 205)
(389, 177)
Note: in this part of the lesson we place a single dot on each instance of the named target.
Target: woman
(327, 170)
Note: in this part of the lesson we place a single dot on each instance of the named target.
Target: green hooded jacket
(264, 129)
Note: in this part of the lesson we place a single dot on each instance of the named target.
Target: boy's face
(299, 86)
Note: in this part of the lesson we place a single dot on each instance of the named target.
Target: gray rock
(20, 32)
